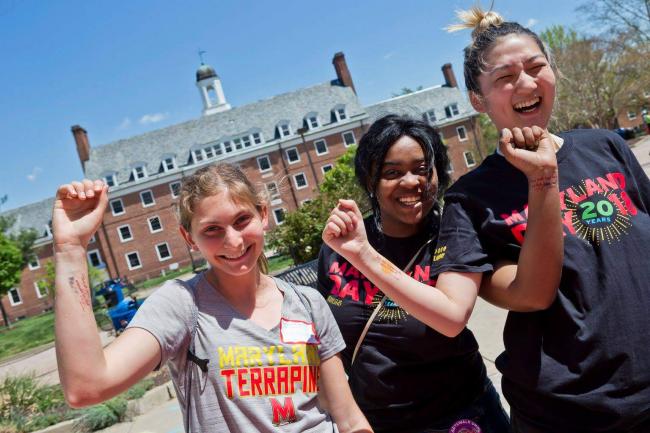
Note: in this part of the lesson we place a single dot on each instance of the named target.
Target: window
(292, 155)
(227, 146)
(451, 110)
(238, 144)
(469, 159)
(163, 251)
(300, 180)
(340, 114)
(139, 172)
(450, 168)
(40, 288)
(348, 138)
(462, 133)
(321, 147)
(326, 168)
(117, 207)
(247, 141)
(94, 258)
(14, 296)
(34, 263)
(209, 152)
(175, 188)
(169, 164)
(646, 93)
(272, 189)
(197, 155)
(133, 260)
(312, 122)
(257, 138)
(264, 163)
(155, 225)
(92, 238)
(125, 233)
(631, 115)
(284, 130)
(429, 116)
(111, 179)
(217, 149)
(146, 197)
(278, 215)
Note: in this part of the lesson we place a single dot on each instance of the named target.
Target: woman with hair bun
(583, 363)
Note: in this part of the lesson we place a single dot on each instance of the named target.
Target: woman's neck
(240, 290)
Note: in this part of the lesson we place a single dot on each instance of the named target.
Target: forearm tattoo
(387, 267)
(80, 286)
(544, 182)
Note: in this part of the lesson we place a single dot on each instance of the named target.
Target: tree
(11, 265)
(489, 133)
(628, 18)
(406, 91)
(300, 234)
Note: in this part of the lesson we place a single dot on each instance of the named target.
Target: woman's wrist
(543, 179)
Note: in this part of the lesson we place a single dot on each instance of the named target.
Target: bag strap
(381, 302)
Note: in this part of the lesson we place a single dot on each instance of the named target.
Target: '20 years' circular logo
(465, 426)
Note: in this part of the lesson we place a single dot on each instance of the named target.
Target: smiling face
(404, 193)
(230, 235)
(518, 86)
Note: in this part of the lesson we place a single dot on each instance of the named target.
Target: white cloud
(126, 122)
(389, 55)
(153, 118)
(34, 174)
(531, 22)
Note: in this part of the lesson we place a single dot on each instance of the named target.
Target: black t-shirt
(584, 363)
(406, 375)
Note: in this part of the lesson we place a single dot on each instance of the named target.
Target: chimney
(450, 78)
(342, 71)
(83, 147)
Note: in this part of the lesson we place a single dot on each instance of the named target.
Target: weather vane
(201, 53)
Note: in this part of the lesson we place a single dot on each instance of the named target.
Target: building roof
(178, 140)
(416, 103)
(35, 216)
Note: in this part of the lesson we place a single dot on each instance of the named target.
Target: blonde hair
(211, 180)
(476, 19)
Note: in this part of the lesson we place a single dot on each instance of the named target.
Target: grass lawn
(26, 334)
(279, 263)
(161, 279)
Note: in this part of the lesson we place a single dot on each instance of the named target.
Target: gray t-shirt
(258, 380)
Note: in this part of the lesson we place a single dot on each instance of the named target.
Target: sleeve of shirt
(323, 279)
(640, 179)
(459, 248)
(329, 335)
(167, 315)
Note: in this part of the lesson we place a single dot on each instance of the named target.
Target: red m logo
(283, 414)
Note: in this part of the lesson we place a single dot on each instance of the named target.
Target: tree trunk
(5, 318)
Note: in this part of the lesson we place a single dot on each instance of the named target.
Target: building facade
(285, 144)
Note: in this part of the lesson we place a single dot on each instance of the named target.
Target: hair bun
(476, 19)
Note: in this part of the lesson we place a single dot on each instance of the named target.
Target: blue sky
(121, 68)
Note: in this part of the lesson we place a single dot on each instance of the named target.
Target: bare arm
(531, 284)
(89, 374)
(338, 399)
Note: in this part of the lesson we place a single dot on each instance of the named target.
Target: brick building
(286, 143)
(632, 117)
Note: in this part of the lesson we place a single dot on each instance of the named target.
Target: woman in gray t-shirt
(247, 352)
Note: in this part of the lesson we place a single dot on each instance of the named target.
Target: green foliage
(299, 236)
(161, 279)
(11, 264)
(278, 263)
(489, 133)
(24, 239)
(102, 415)
(139, 389)
(406, 91)
(27, 334)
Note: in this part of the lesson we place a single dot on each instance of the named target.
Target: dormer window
(238, 144)
(340, 114)
(197, 155)
(111, 179)
(227, 146)
(246, 140)
(312, 121)
(451, 110)
(217, 149)
(284, 129)
(169, 163)
(139, 172)
(429, 116)
(257, 138)
(209, 152)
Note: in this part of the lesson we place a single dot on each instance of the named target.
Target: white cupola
(210, 89)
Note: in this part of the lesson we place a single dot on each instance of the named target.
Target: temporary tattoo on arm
(80, 286)
(543, 182)
(387, 267)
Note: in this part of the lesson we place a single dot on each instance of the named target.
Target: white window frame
(121, 204)
(286, 152)
(275, 217)
(151, 230)
(271, 194)
(166, 167)
(328, 166)
(119, 233)
(345, 143)
(197, 156)
(259, 166)
(646, 93)
(171, 189)
(295, 180)
(218, 150)
(257, 138)
(340, 114)
(281, 131)
(137, 177)
(327, 150)
(466, 161)
(246, 140)
(633, 115)
(36, 266)
(99, 256)
(38, 290)
(227, 146)
(237, 143)
(113, 178)
(11, 298)
(312, 122)
(452, 107)
(461, 128)
(430, 115)
(153, 199)
(161, 259)
(208, 152)
(128, 262)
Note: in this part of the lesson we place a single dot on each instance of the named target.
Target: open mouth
(410, 201)
(235, 257)
(528, 106)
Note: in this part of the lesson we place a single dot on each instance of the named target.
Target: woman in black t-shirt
(405, 376)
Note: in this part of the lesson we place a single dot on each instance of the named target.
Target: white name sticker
(297, 332)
